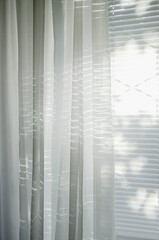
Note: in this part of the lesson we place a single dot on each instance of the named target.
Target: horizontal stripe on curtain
(56, 156)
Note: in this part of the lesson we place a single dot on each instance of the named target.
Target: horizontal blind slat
(134, 29)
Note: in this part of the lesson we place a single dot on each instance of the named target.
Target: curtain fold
(57, 177)
(25, 86)
(9, 122)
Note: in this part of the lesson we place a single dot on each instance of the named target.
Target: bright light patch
(151, 206)
(126, 2)
(120, 168)
(134, 65)
(142, 7)
(137, 164)
(136, 202)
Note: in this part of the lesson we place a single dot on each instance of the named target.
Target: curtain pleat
(76, 163)
(38, 121)
(9, 122)
(57, 145)
(103, 124)
(48, 117)
(25, 86)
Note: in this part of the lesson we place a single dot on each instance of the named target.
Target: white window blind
(134, 49)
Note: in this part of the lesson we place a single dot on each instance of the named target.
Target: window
(134, 49)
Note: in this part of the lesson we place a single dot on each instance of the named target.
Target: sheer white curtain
(79, 119)
(56, 147)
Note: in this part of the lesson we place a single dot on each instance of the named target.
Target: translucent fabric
(56, 148)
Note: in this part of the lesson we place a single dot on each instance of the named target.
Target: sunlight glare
(151, 206)
(142, 7)
(135, 203)
(136, 165)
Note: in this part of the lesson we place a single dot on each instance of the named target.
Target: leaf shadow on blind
(137, 164)
(132, 20)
